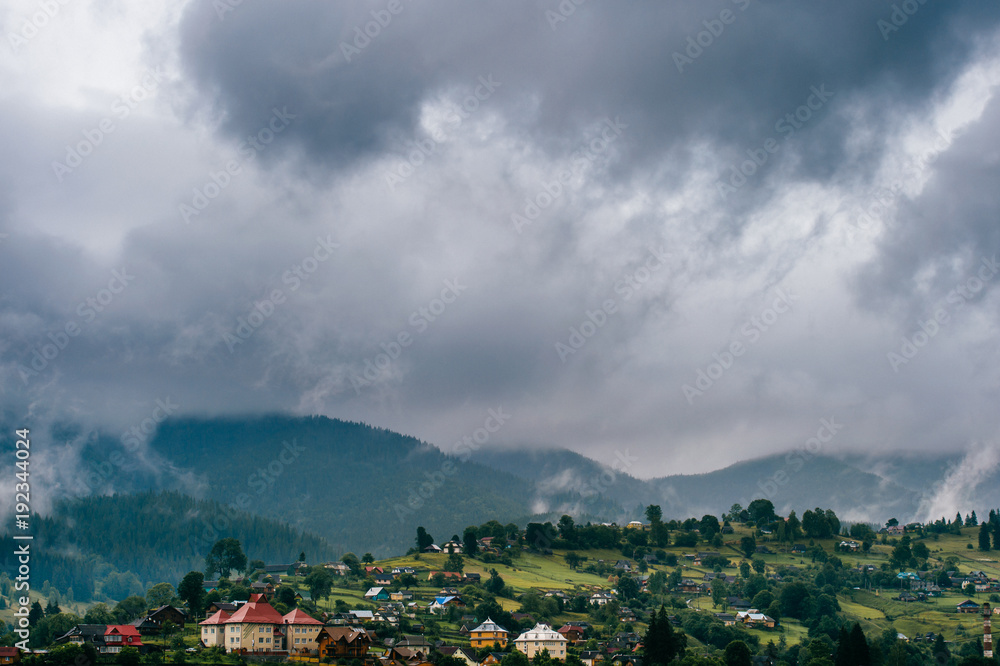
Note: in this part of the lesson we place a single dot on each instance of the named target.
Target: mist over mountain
(366, 489)
(859, 488)
(792, 481)
(341, 478)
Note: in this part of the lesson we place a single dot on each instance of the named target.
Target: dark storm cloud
(947, 235)
(198, 323)
(603, 60)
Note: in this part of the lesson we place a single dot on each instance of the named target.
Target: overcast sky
(567, 211)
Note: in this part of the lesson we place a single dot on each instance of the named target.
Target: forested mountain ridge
(366, 489)
(362, 488)
(123, 542)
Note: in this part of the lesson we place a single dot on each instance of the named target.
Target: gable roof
(298, 616)
(490, 626)
(145, 622)
(450, 651)
(346, 634)
(407, 654)
(165, 607)
(85, 630)
(259, 612)
(541, 632)
(413, 640)
(122, 629)
(219, 617)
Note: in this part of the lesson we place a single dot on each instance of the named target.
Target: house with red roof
(118, 636)
(10, 655)
(446, 574)
(301, 631)
(256, 628)
(572, 632)
(213, 630)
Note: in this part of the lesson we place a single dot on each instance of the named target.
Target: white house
(601, 598)
(542, 637)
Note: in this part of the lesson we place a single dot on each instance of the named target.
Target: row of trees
(989, 528)
(817, 523)
(566, 534)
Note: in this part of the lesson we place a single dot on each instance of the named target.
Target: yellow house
(213, 630)
(488, 633)
(541, 637)
(301, 631)
(255, 627)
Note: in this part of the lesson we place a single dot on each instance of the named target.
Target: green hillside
(811, 595)
(811, 585)
(361, 488)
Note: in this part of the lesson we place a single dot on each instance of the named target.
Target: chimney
(987, 635)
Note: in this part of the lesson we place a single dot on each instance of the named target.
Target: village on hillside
(786, 590)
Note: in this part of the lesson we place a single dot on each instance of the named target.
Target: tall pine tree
(859, 646)
(661, 644)
(940, 648)
(651, 648)
(984, 536)
(845, 654)
(36, 613)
